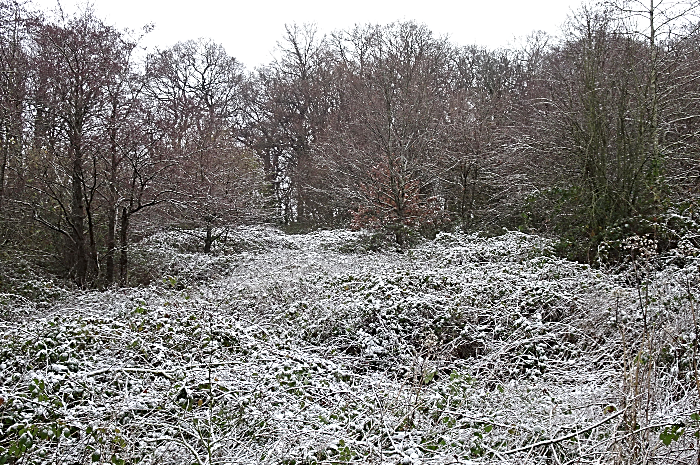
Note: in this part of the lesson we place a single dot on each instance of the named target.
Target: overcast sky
(250, 29)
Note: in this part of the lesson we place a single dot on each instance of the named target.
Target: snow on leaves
(294, 349)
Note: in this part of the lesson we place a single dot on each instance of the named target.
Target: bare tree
(14, 71)
(294, 97)
(604, 124)
(196, 87)
(485, 88)
(388, 149)
(76, 61)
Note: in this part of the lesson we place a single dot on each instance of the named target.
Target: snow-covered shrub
(24, 289)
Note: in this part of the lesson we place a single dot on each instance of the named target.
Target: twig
(164, 373)
(131, 370)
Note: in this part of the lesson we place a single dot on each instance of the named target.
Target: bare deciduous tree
(197, 89)
(76, 61)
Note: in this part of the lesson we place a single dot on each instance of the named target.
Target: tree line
(591, 136)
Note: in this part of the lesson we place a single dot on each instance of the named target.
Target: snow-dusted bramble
(310, 349)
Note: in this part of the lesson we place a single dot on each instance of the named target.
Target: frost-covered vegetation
(303, 349)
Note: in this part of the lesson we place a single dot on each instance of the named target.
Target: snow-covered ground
(302, 349)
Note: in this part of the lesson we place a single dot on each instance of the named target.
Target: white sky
(250, 29)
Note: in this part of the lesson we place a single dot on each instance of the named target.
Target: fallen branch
(549, 442)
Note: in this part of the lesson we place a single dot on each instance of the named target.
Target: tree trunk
(209, 239)
(3, 166)
(111, 240)
(93, 271)
(399, 236)
(111, 243)
(123, 248)
(78, 259)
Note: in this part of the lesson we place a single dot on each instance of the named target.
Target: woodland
(381, 247)
(590, 137)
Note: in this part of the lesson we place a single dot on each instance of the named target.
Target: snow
(311, 349)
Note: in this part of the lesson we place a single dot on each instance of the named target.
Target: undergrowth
(310, 349)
